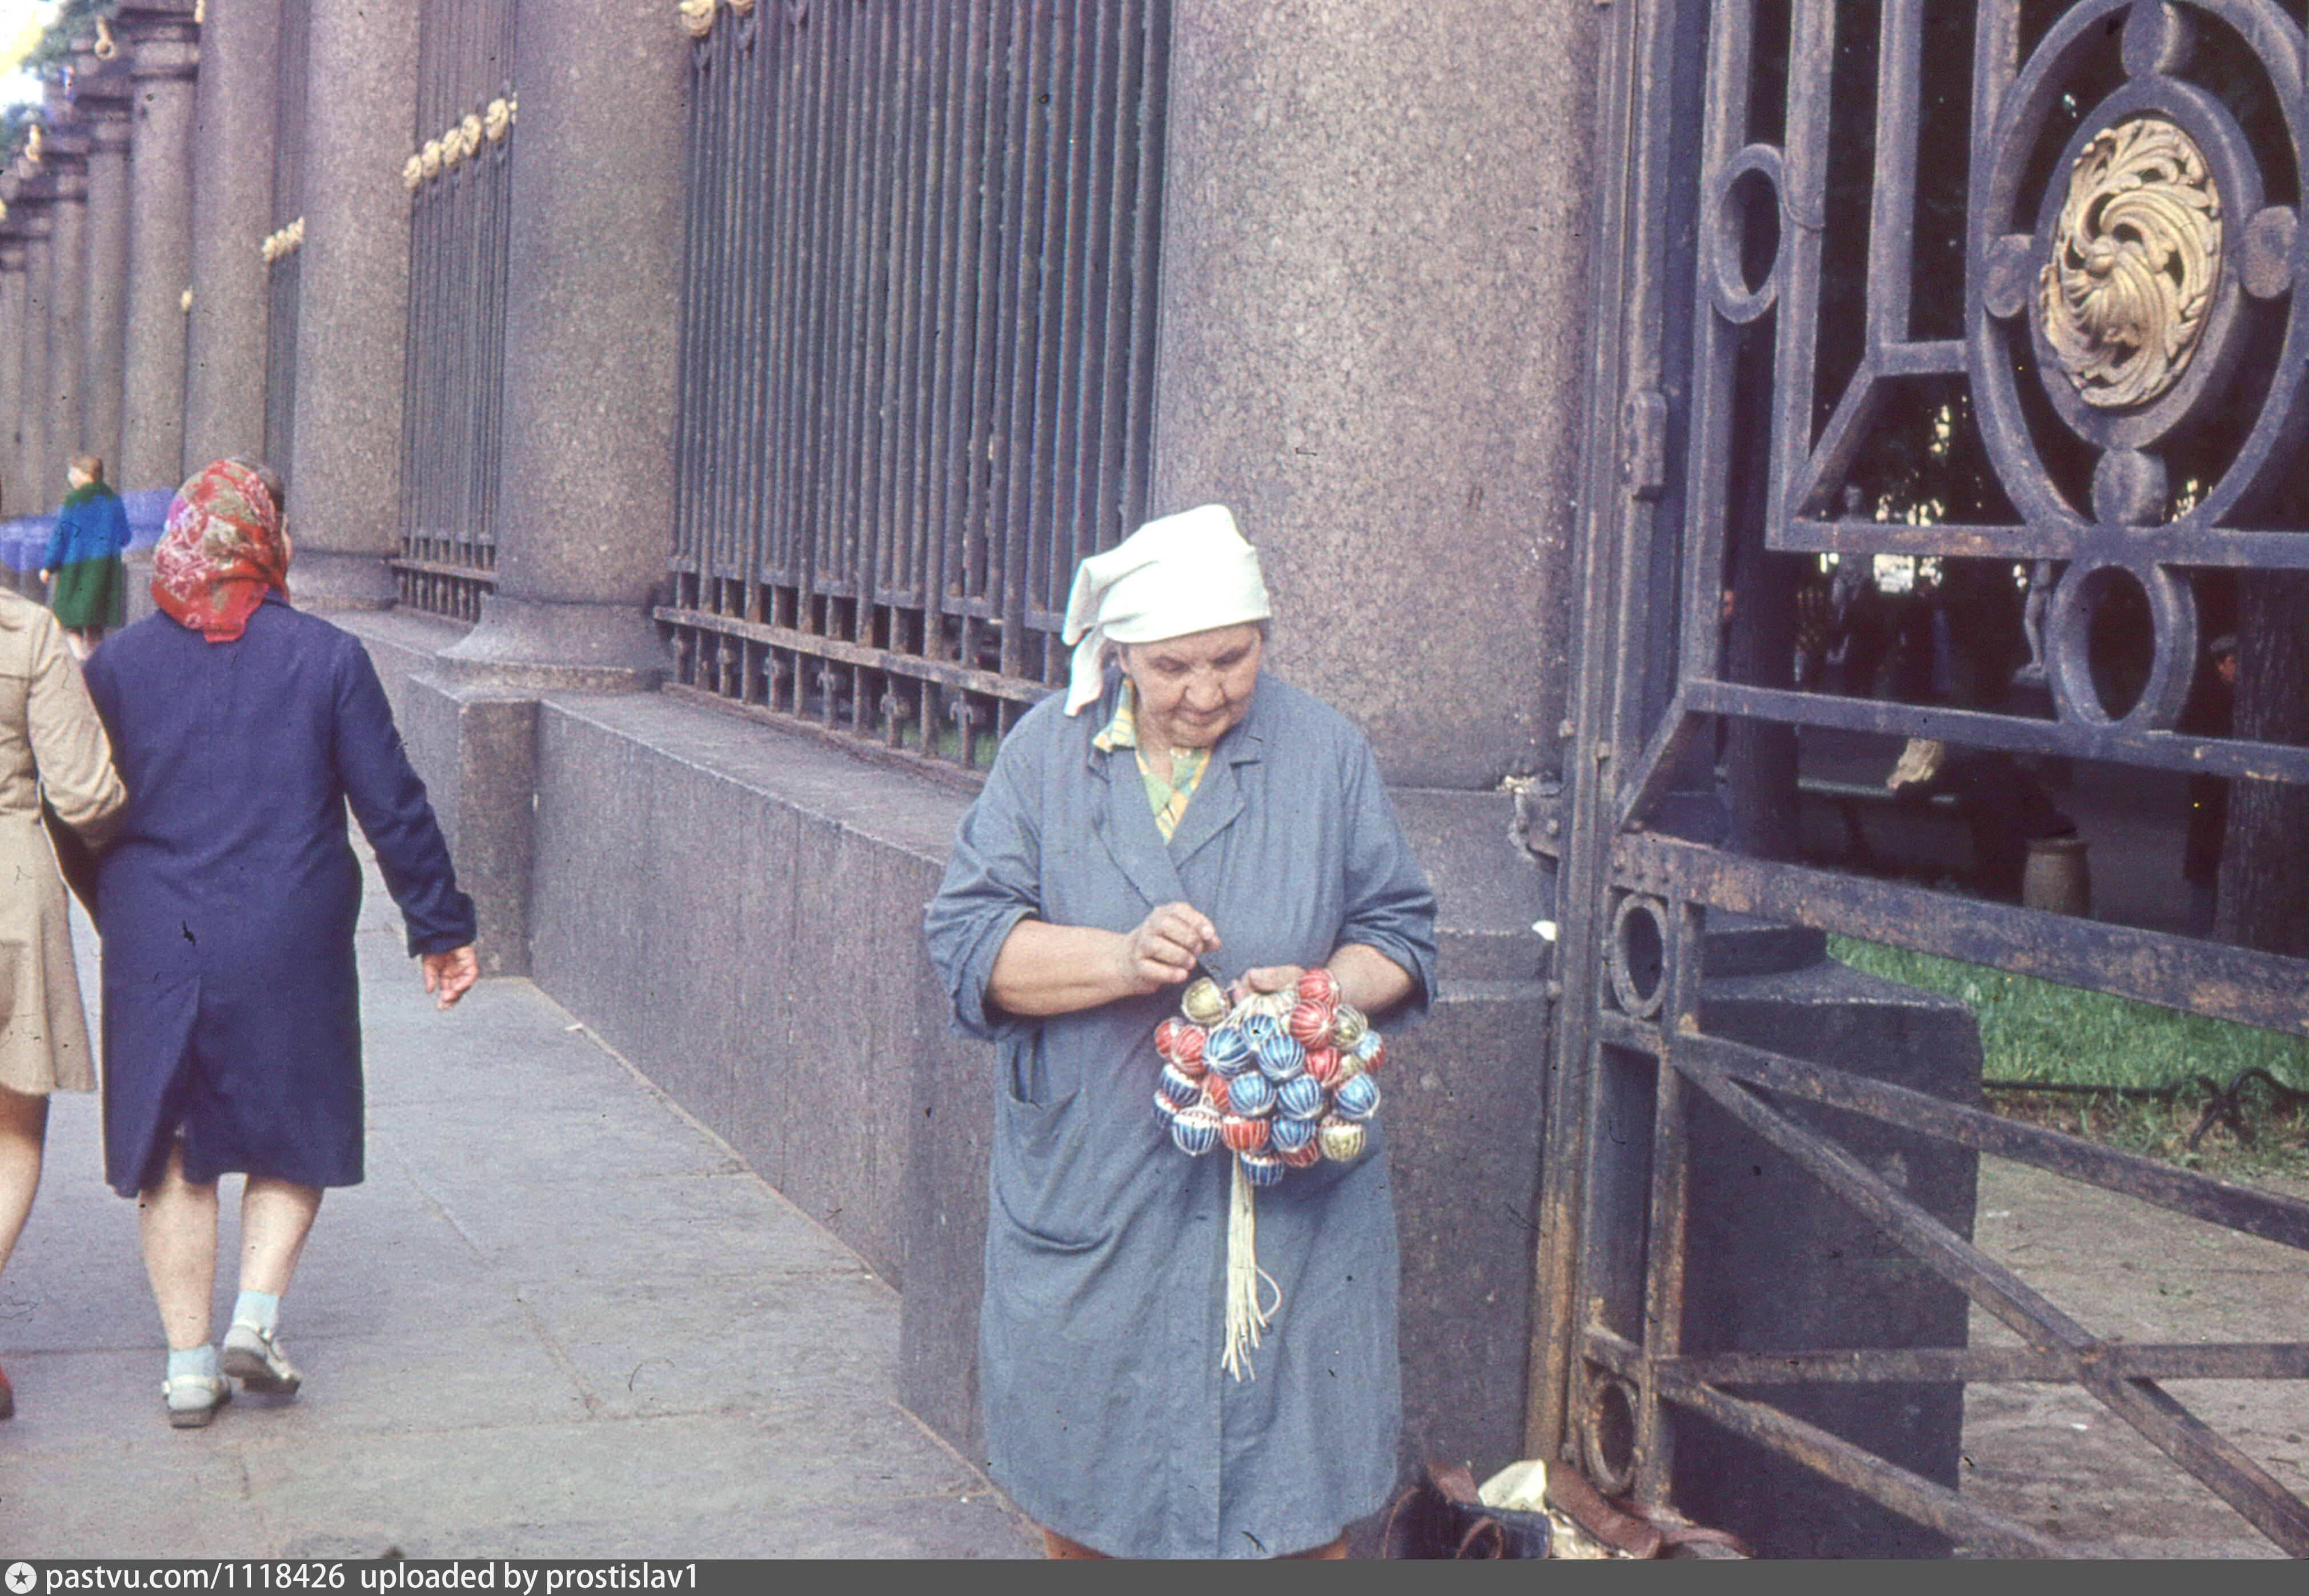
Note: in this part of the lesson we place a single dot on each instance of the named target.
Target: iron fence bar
(1989, 1283)
(2231, 1475)
(1892, 195)
(1605, 1275)
(687, 532)
(1978, 1528)
(2162, 750)
(1122, 185)
(838, 513)
(790, 74)
(893, 136)
(1043, 287)
(1617, 275)
(2227, 983)
(1812, 52)
(2270, 1215)
(1022, 233)
(1097, 254)
(713, 195)
(1663, 1247)
(1995, 1366)
(2183, 543)
(1154, 85)
(841, 651)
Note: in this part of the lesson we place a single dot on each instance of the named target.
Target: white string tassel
(1245, 1318)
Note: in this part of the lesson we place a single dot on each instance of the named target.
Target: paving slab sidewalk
(557, 1319)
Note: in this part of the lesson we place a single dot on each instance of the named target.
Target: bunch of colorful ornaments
(1282, 1079)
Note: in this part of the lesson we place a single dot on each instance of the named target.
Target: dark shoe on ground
(254, 1358)
(7, 1397)
(193, 1400)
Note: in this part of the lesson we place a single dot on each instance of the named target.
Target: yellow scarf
(1168, 799)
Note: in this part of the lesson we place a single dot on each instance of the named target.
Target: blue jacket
(90, 525)
(228, 902)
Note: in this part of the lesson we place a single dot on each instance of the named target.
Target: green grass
(2034, 1031)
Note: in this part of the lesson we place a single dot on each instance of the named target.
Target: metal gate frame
(1673, 141)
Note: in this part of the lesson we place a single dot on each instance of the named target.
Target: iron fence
(281, 248)
(917, 352)
(459, 178)
(2134, 443)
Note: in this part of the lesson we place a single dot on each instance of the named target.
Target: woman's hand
(1162, 950)
(1368, 979)
(1062, 970)
(1267, 977)
(450, 975)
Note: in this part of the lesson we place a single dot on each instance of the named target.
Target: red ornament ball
(1166, 1040)
(1305, 1156)
(1244, 1135)
(1215, 1090)
(1187, 1045)
(1309, 1022)
(1319, 985)
(1323, 1064)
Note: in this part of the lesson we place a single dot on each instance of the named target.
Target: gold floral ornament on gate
(2136, 259)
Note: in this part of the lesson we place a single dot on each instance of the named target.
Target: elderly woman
(81, 564)
(244, 730)
(1177, 808)
(51, 744)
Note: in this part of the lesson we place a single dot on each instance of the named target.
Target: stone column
(1373, 310)
(592, 317)
(233, 105)
(67, 164)
(32, 429)
(101, 100)
(352, 311)
(163, 54)
(13, 494)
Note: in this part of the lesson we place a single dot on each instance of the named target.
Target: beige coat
(51, 743)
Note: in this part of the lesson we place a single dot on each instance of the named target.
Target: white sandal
(255, 1359)
(193, 1400)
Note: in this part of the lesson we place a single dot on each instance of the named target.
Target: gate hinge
(1541, 809)
(1643, 443)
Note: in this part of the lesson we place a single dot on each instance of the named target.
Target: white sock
(259, 1308)
(201, 1361)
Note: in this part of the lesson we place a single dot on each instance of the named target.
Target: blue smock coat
(1108, 1418)
(92, 525)
(231, 1006)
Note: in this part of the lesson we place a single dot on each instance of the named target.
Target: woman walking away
(244, 729)
(87, 582)
(50, 742)
(1177, 810)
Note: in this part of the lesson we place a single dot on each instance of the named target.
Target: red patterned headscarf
(222, 548)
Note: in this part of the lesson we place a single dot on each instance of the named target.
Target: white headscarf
(1186, 573)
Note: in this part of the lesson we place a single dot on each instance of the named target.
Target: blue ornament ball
(1262, 1169)
(1250, 1094)
(1301, 1098)
(1289, 1135)
(1228, 1051)
(1358, 1099)
(1280, 1058)
(1258, 1025)
(1196, 1130)
(1178, 1087)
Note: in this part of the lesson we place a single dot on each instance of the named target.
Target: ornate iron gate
(2083, 248)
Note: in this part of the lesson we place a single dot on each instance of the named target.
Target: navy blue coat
(231, 1006)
